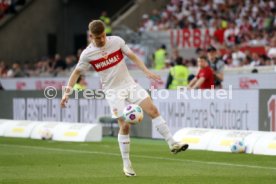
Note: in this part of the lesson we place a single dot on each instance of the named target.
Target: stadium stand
(9, 8)
(239, 26)
(244, 34)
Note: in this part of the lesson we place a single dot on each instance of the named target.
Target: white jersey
(109, 62)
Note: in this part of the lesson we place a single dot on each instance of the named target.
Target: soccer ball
(238, 147)
(133, 114)
(46, 134)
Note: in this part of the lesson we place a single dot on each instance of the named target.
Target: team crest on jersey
(104, 55)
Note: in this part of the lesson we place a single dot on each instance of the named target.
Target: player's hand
(64, 101)
(153, 76)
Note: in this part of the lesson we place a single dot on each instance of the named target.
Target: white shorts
(117, 98)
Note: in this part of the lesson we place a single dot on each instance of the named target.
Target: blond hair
(96, 27)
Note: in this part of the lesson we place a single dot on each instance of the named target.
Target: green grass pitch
(38, 162)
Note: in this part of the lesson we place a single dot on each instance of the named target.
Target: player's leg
(117, 105)
(124, 144)
(161, 125)
(138, 95)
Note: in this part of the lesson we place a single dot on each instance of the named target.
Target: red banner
(191, 38)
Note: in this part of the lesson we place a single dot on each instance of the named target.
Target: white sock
(124, 144)
(162, 127)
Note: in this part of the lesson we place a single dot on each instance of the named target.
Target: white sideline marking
(140, 156)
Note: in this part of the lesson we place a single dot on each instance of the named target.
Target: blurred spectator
(81, 84)
(173, 57)
(3, 70)
(15, 71)
(159, 58)
(155, 16)
(26, 69)
(104, 17)
(44, 68)
(191, 62)
(236, 25)
(217, 65)
(59, 64)
(235, 22)
(70, 62)
(256, 60)
(4, 7)
(178, 75)
(9, 6)
(200, 52)
(219, 33)
(271, 53)
(205, 76)
(227, 58)
(231, 34)
(146, 24)
(238, 57)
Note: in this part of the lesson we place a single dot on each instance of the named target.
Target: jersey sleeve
(124, 47)
(83, 64)
(203, 74)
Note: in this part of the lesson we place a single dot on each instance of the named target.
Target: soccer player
(105, 54)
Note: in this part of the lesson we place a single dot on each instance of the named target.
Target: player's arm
(135, 59)
(83, 65)
(192, 83)
(198, 83)
(72, 80)
(219, 75)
